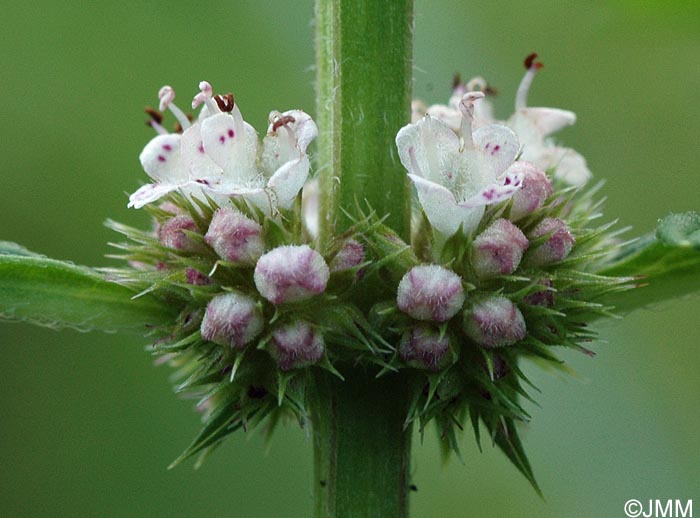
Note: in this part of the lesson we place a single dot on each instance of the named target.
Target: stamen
(167, 96)
(282, 121)
(532, 67)
(156, 118)
(205, 96)
(466, 106)
(225, 102)
(205, 93)
(476, 84)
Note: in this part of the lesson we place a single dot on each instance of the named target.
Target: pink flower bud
(423, 348)
(235, 237)
(498, 249)
(232, 319)
(352, 254)
(535, 190)
(171, 234)
(556, 248)
(541, 298)
(296, 345)
(430, 292)
(290, 274)
(494, 322)
(196, 278)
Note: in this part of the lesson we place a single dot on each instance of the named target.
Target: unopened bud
(290, 274)
(232, 319)
(296, 345)
(430, 292)
(543, 297)
(352, 254)
(498, 249)
(558, 245)
(235, 237)
(196, 278)
(424, 348)
(494, 322)
(535, 190)
(171, 234)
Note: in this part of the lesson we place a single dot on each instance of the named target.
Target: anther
(155, 115)
(282, 121)
(530, 62)
(225, 102)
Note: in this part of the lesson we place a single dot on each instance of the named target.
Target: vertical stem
(361, 450)
(364, 65)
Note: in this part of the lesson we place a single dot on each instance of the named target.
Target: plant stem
(364, 66)
(361, 449)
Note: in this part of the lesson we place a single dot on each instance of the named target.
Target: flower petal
(442, 210)
(429, 149)
(198, 163)
(150, 193)
(568, 165)
(288, 181)
(498, 191)
(549, 120)
(232, 144)
(498, 146)
(162, 160)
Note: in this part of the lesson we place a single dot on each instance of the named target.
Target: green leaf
(667, 263)
(58, 294)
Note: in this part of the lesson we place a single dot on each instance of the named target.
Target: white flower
(220, 154)
(534, 125)
(458, 174)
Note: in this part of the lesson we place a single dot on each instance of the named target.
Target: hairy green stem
(361, 448)
(364, 66)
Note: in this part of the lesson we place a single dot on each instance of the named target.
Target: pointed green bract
(58, 294)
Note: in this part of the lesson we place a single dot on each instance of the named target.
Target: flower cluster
(501, 266)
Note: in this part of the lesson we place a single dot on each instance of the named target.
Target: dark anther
(256, 392)
(456, 81)
(155, 116)
(225, 102)
(413, 487)
(323, 483)
(282, 121)
(530, 61)
(490, 90)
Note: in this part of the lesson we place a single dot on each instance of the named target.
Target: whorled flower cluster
(501, 265)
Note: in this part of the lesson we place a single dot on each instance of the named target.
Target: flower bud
(535, 190)
(296, 345)
(494, 322)
(351, 255)
(558, 245)
(498, 249)
(235, 237)
(196, 278)
(430, 292)
(423, 348)
(232, 319)
(171, 234)
(543, 297)
(290, 274)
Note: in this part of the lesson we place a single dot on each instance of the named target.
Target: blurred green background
(88, 425)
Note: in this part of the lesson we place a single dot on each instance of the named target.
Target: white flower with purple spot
(458, 174)
(534, 125)
(220, 155)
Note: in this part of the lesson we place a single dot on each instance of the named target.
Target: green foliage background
(88, 426)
